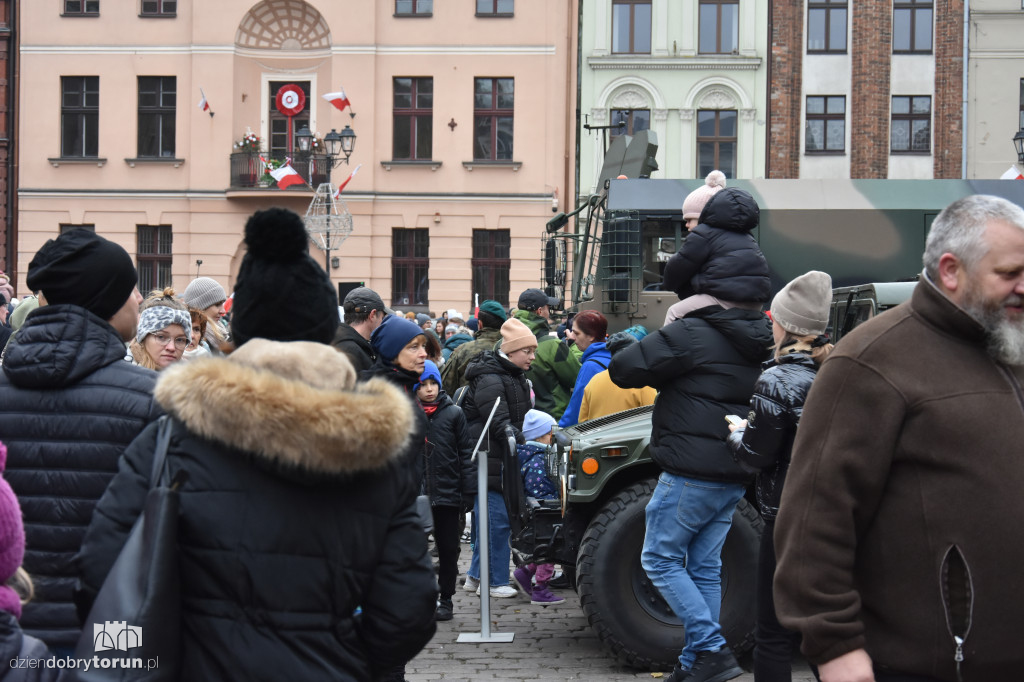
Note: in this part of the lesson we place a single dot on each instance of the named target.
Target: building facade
(8, 119)
(692, 71)
(995, 86)
(461, 119)
(867, 89)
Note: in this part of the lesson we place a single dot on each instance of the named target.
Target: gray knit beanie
(202, 292)
(802, 307)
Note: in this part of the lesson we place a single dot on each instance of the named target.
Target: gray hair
(959, 229)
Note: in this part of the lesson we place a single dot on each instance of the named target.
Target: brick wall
(947, 114)
(871, 53)
(785, 89)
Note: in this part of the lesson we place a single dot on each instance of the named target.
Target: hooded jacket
(704, 366)
(720, 257)
(595, 360)
(453, 372)
(294, 516)
(900, 520)
(450, 477)
(69, 406)
(491, 377)
(359, 351)
(554, 369)
(453, 342)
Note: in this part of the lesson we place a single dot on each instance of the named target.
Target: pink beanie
(694, 204)
(12, 541)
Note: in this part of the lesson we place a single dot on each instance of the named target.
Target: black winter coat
(450, 478)
(704, 366)
(15, 644)
(294, 515)
(415, 454)
(720, 257)
(359, 351)
(775, 409)
(490, 377)
(69, 406)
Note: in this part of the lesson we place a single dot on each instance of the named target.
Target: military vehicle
(860, 231)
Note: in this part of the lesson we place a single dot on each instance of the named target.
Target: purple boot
(542, 596)
(524, 580)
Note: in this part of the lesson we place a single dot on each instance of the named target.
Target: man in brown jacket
(898, 535)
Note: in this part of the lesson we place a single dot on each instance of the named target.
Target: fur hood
(294, 403)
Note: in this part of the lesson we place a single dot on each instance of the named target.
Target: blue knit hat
(393, 334)
(537, 424)
(430, 371)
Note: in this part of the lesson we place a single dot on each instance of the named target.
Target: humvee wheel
(626, 611)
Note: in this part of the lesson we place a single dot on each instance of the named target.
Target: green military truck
(859, 231)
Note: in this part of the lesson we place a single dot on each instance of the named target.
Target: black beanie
(84, 269)
(281, 293)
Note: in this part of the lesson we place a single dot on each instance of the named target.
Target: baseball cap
(363, 300)
(531, 299)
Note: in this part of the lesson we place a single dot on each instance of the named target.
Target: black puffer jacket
(294, 515)
(451, 475)
(415, 451)
(16, 644)
(359, 351)
(720, 257)
(704, 366)
(491, 376)
(775, 408)
(69, 406)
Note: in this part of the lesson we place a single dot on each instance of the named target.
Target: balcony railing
(247, 170)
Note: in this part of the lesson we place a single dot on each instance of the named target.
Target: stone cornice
(704, 63)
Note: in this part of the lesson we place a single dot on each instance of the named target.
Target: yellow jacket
(601, 397)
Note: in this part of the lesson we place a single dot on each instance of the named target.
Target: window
(67, 227)
(278, 147)
(911, 125)
(491, 262)
(82, 7)
(153, 256)
(825, 128)
(493, 100)
(912, 25)
(159, 8)
(79, 116)
(414, 8)
(719, 26)
(716, 142)
(826, 25)
(410, 254)
(413, 118)
(635, 120)
(157, 106)
(631, 26)
(495, 8)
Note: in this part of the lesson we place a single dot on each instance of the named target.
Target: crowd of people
(320, 453)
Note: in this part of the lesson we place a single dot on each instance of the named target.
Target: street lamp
(1018, 143)
(304, 139)
(328, 221)
(340, 143)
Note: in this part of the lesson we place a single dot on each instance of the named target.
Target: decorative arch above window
(283, 25)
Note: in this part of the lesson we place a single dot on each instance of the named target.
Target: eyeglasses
(180, 342)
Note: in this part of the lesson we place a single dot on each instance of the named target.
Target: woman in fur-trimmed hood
(295, 515)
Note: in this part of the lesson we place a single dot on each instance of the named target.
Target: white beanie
(698, 198)
(802, 307)
(537, 424)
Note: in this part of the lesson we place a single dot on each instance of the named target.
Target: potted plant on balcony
(249, 143)
(266, 180)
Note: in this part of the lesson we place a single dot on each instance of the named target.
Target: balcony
(247, 170)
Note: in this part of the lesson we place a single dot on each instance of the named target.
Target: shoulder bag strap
(163, 439)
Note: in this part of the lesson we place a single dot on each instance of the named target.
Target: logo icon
(114, 634)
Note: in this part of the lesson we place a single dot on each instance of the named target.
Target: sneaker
(471, 585)
(561, 582)
(503, 592)
(523, 580)
(714, 666)
(445, 610)
(542, 596)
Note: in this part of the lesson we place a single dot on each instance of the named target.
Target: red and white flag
(338, 99)
(286, 176)
(204, 104)
(1012, 174)
(350, 176)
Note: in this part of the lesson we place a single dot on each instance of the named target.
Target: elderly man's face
(993, 291)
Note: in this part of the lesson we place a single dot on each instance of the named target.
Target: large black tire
(626, 611)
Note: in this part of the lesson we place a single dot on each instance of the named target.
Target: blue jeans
(500, 532)
(687, 521)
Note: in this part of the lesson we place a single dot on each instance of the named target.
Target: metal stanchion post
(482, 540)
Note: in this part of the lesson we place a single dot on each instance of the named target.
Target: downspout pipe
(963, 120)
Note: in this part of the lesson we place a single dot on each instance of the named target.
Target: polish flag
(204, 105)
(350, 176)
(1012, 174)
(286, 177)
(338, 99)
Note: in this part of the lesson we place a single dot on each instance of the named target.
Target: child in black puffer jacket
(449, 477)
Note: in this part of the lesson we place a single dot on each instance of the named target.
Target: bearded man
(898, 536)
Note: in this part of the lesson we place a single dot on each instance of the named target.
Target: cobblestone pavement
(550, 643)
